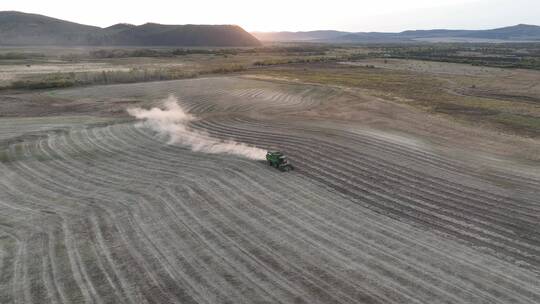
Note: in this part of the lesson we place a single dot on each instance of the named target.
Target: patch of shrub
(126, 53)
(42, 84)
(280, 61)
(19, 56)
(225, 69)
(525, 56)
(63, 80)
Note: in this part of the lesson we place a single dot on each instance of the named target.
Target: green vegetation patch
(19, 56)
(523, 123)
(523, 56)
(133, 75)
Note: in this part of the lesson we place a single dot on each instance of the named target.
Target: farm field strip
(452, 213)
(114, 214)
(420, 155)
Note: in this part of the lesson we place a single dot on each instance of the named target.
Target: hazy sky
(299, 15)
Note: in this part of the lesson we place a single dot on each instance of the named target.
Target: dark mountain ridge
(17, 28)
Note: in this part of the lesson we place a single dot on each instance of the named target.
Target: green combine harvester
(278, 160)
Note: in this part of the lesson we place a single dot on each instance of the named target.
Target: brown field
(410, 186)
(488, 98)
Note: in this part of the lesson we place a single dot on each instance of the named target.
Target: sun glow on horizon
(302, 15)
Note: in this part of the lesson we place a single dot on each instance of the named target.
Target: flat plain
(386, 204)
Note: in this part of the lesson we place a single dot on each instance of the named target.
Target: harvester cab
(278, 160)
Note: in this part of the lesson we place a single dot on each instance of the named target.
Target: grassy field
(450, 80)
(64, 67)
(430, 92)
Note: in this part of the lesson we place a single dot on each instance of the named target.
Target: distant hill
(119, 27)
(521, 32)
(298, 36)
(518, 32)
(18, 28)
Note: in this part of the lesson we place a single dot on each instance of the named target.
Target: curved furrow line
(207, 103)
(70, 161)
(150, 148)
(10, 205)
(57, 254)
(144, 233)
(340, 235)
(99, 158)
(410, 211)
(444, 225)
(192, 267)
(12, 184)
(74, 157)
(117, 165)
(25, 284)
(203, 105)
(323, 289)
(114, 214)
(117, 276)
(218, 232)
(143, 267)
(352, 157)
(220, 245)
(69, 167)
(385, 148)
(25, 176)
(36, 289)
(8, 255)
(350, 224)
(53, 292)
(20, 295)
(251, 93)
(169, 162)
(169, 277)
(94, 264)
(315, 239)
(265, 217)
(418, 154)
(80, 273)
(204, 267)
(41, 175)
(458, 167)
(156, 150)
(262, 99)
(247, 93)
(398, 149)
(329, 246)
(139, 271)
(399, 179)
(434, 216)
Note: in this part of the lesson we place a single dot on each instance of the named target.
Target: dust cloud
(172, 121)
